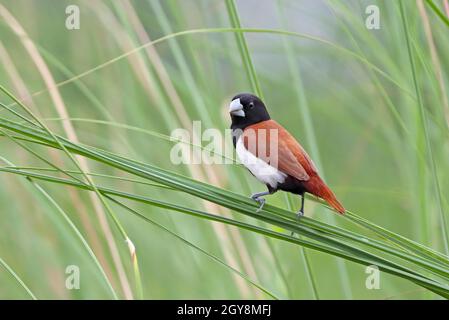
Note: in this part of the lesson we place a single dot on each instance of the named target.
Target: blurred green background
(344, 91)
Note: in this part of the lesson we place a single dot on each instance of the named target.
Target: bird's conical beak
(236, 108)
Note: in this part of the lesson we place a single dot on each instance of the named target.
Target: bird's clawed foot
(300, 214)
(258, 197)
(262, 203)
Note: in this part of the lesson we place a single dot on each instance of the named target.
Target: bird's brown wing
(272, 143)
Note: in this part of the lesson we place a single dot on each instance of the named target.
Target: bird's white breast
(260, 169)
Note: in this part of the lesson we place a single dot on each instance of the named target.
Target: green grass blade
(327, 244)
(158, 225)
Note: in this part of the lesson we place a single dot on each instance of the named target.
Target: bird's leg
(257, 197)
(301, 211)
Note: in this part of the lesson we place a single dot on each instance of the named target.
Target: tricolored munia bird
(256, 137)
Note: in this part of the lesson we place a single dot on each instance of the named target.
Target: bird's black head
(246, 109)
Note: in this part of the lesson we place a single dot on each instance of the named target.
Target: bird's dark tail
(334, 203)
(320, 189)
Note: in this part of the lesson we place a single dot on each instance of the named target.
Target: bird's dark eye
(251, 105)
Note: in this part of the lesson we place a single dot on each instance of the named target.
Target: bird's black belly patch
(290, 184)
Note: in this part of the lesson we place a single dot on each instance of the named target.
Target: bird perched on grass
(273, 155)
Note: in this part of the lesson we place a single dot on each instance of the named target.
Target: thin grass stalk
(307, 123)
(88, 179)
(142, 216)
(393, 109)
(150, 83)
(435, 60)
(78, 234)
(305, 258)
(17, 278)
(424, 124)
(233, 30)
(243, 48)
(438, 12)
(60, 107)
(21, 87)
(188, 79)
(200, 107)
(181, 111)
(72, 226)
